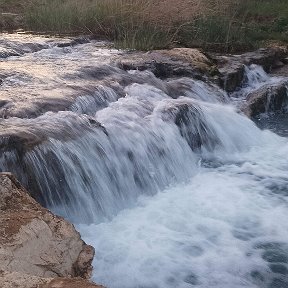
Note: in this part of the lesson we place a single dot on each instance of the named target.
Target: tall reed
(146, 24)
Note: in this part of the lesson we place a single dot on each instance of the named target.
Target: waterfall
(138, 145)
(166, 179)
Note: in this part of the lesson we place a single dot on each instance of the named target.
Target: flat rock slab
(169, 63)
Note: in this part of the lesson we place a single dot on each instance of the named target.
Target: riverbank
(226, 26)
(38, 248)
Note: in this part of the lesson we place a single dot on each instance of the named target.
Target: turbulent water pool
(278, 123)
(171, 191)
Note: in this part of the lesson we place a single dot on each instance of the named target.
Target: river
(171, 191)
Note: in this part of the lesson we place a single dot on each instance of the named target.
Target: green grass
(227, 25)
(120, 21)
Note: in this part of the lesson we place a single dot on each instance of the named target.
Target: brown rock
(83, 265)
(268, 58)
(34, 241)
(20, 280)
(169, 63)
(266, 99)
(281, 71)
(231, 67)
(69, 283)
(232, 76)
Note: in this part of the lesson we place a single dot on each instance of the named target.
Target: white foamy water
(205, 232)
(164, 178)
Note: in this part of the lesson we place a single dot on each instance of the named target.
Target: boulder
(231, 67)
(281, 70)
(268, 58)
(34, 241)
(232, 76)
(191, 123)
(169, 63)
(268, 98)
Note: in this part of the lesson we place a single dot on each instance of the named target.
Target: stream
(173, 189)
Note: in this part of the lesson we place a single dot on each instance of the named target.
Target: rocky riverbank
(36, 246)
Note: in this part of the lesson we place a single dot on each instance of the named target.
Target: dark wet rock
(268, 98)
(99, 73)
(10, 48)
(232, 76)
(3, 103)
(281, 71)
(231, 67)
(192, 126)
(74, 42)
(268, 58)
(21, 140)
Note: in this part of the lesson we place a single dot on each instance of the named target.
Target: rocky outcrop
(169, 63)
(281, 70)
(268, 58)
(231, 76)
(23, 135)
(231, 67)
(20, 280)
(33, 241)
(268, 98)
(227, 71)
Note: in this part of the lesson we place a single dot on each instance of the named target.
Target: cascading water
(165, 179)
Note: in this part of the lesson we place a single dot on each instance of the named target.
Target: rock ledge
(36, 244)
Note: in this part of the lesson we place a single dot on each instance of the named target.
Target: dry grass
(150, 24)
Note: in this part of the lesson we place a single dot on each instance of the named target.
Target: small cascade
(170, 183)
(138, 145)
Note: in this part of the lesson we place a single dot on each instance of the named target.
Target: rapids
(170, 184)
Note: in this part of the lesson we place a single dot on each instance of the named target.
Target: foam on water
(216, 230)
(171, 186)
(255, 78)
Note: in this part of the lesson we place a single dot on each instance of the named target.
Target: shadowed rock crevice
(192, 125)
